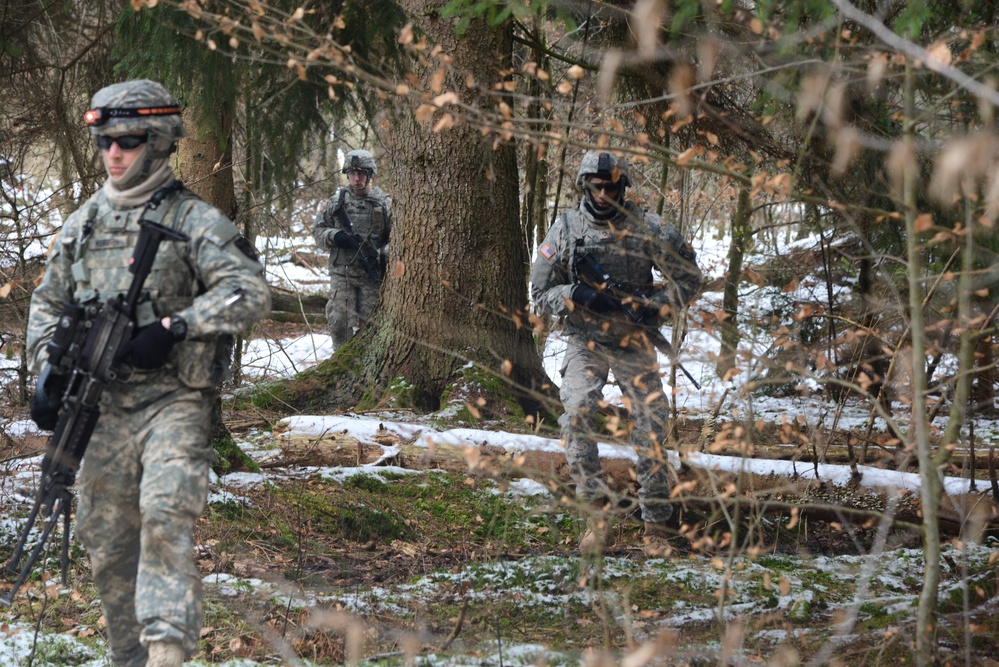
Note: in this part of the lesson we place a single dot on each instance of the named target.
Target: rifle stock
(591, 273)
(85, 346)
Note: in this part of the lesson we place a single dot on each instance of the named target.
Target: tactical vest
(101, 254)
(369, 217)
(620, 249)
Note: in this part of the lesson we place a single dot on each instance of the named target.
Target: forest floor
(393, 538)
(364, 546)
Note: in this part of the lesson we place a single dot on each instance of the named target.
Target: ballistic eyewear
(126, 142)
(610, 187)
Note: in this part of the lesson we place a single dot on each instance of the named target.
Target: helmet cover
(138, 106)
(360, 160)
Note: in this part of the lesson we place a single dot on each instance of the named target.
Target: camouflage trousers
(143, 484)
(584, 375)
(351, 302)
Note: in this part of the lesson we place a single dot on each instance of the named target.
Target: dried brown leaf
(437, 80)
(686, 156)
(449, 97)
(608, 75)
(406, 34)
(876, 70)
(648, 15)
(681, 80)
(848, 146)
(424, 113)
(901, 157)
(708, 49)
(938, 56)
(445, 122)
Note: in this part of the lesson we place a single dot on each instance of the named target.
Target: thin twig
(457, 627)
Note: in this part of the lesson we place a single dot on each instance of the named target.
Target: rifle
(633, 301)
(83, 350)
(370, 260)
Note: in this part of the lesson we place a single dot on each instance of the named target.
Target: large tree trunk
(204, 160)
(456, 287)
(204, 164)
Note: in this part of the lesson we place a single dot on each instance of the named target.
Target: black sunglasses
(607, 186)
(126, 142)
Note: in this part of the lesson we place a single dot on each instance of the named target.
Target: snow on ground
(363, 428)
(541, 581)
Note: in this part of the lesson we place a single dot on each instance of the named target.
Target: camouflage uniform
(144, 479)
(353, 294)
(628, 244)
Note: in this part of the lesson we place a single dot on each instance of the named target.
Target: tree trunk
(456, 287)
(197, 156)
(730, 300)
(200, 152)
(929, 474)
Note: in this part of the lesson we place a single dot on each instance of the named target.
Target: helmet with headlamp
(125, 113)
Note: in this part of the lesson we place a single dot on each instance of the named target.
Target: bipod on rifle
(56, 501)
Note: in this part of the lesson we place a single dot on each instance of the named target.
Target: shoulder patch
(546, 251)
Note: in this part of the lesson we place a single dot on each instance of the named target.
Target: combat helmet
(360, 159)
(137, 106)
(604, 165)
(608, 167)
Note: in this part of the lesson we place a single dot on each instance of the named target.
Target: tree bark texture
(456, 289)
(195, 160)
(197, 155)
(730, 337)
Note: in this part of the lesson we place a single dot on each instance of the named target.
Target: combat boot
(162, 654)
(597, 536)
(655, 541)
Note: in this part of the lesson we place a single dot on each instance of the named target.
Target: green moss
(488, 394)
(873, 616)
(229, 457)
(59, 650)
(778, 563)
(367, 483)
(308, 388)
(953, 601)
(399, 394)
(352, 520)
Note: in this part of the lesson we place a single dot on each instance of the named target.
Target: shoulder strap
(88, 225)
(167, 200)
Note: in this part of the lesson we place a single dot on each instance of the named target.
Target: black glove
(148, 349)
(647, 315)
(47, 400)
(344, 240)
(591, 299)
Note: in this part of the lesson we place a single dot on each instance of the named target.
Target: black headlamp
(103, 115)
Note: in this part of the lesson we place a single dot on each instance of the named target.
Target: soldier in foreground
(607, 322)
(144, 478)
(354, 226)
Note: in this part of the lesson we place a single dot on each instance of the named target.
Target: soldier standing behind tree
(627, 243)
(354, 226)
(144, 479)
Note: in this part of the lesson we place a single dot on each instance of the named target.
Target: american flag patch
(546, 251)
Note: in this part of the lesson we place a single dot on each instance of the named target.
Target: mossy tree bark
(456, 288)
(205, 146)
